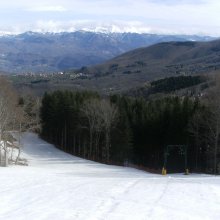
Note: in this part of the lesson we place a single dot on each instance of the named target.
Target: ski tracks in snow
(109, 205)
(158, 200)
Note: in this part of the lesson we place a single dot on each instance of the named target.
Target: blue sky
(152, 16)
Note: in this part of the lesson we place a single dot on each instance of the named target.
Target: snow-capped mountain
(51, 51)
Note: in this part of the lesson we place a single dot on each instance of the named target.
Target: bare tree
(101, 116)
(92, 114)
(108, 113)
(9, 111)
(7, 104)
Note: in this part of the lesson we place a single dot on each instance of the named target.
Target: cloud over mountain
(168, 16)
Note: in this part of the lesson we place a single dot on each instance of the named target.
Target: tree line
(134, 131)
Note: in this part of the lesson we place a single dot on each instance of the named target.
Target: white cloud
(116, 26)
(166, 16)
(93, 26)
(48, 9)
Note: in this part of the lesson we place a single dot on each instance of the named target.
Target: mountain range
(48, 52)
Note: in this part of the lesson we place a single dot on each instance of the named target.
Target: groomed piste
(58, 186)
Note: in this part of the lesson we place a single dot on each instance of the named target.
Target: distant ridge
(164, 59)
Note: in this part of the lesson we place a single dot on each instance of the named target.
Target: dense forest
(184, 85)
(133, 131)
(171, 84)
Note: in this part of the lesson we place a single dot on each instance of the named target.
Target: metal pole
(186, 165)
(6, 155)
(164, 170)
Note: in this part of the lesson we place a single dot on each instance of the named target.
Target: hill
(164, 59)
(154, 62)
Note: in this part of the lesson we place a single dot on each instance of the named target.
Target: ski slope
(58, 186)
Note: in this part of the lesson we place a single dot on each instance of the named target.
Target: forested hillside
(155, 62)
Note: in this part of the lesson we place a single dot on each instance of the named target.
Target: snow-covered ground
(58, 186)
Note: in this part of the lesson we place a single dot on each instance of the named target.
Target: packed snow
(58, 186)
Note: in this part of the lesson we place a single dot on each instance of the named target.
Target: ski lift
(182, 150)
